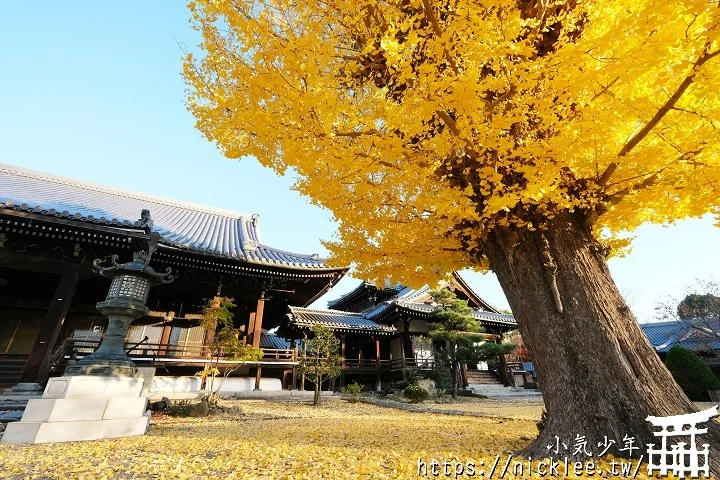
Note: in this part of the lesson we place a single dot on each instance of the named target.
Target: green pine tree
(452, 323)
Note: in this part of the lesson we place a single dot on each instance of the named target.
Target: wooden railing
(164, 351)
(386, 364)
(418, 363)
(365, 363)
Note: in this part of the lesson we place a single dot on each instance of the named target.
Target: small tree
(321, 360)
(691, 373)
(453, 323)
(224, 345)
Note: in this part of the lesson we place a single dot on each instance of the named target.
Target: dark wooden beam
(39, 264)
(37, 367)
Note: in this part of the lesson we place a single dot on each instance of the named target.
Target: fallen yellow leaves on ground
(273, 440)
(526, 409)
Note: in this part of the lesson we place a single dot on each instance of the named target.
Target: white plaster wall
(246, 384)
(175, 384)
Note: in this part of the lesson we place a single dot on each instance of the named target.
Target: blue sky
(92, 90)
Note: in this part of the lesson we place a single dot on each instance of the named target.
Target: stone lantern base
(76, 408)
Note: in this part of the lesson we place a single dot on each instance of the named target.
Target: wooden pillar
(302, 381)
(250, 328)
(257, 330)
(164, 339)
(377, 352)
(464, 376)
(258, 375)
(37, 367)
(503, 366)
(407, 343)
(293, 383)
(342, 350)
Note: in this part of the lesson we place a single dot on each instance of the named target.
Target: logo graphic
(682, 458)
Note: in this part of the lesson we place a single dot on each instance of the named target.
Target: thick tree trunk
(599, 375)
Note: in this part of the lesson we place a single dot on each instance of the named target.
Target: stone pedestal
(75, 408)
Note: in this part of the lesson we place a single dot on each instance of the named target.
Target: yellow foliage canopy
(423, 125)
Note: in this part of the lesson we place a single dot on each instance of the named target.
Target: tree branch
(452, 125)
(659, 115)
(356, 134)
(438, 31)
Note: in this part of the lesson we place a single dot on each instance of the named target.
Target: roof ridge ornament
(146, 221)
(250, 245)
(141, 257)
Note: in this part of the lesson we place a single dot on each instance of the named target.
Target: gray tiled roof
(270, 340)
(381, 308)
(363, 288)
(183, 225)
(399, 291)
(336, 320)
(693, 335)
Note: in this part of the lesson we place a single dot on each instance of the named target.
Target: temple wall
(170, 384)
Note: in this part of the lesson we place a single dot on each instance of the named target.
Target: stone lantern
(100, 396)
(125, 302)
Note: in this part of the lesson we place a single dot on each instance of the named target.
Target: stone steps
(482, 377)
(500, 392)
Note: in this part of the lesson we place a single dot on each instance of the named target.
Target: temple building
(385, 330)
(51, 230)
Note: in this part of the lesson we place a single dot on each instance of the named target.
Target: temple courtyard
(293, 440)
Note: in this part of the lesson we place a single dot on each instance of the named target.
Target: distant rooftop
(401, 292)
(696, 335)
(183, 225)
(394, 300)
(337, 320)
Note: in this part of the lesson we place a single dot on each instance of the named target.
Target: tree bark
(599, 375)
(318, 384)
(454, 374)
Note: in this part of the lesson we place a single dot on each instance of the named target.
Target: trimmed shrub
(416, 394)
(353, 391)
(691, 373)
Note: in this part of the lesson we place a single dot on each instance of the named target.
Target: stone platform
(75, 408)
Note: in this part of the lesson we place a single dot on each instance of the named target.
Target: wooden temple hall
(384, 330)
(53, 228)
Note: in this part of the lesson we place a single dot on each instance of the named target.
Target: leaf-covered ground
(283, 441)
(523, 409)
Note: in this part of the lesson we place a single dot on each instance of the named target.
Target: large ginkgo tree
(527, 137)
